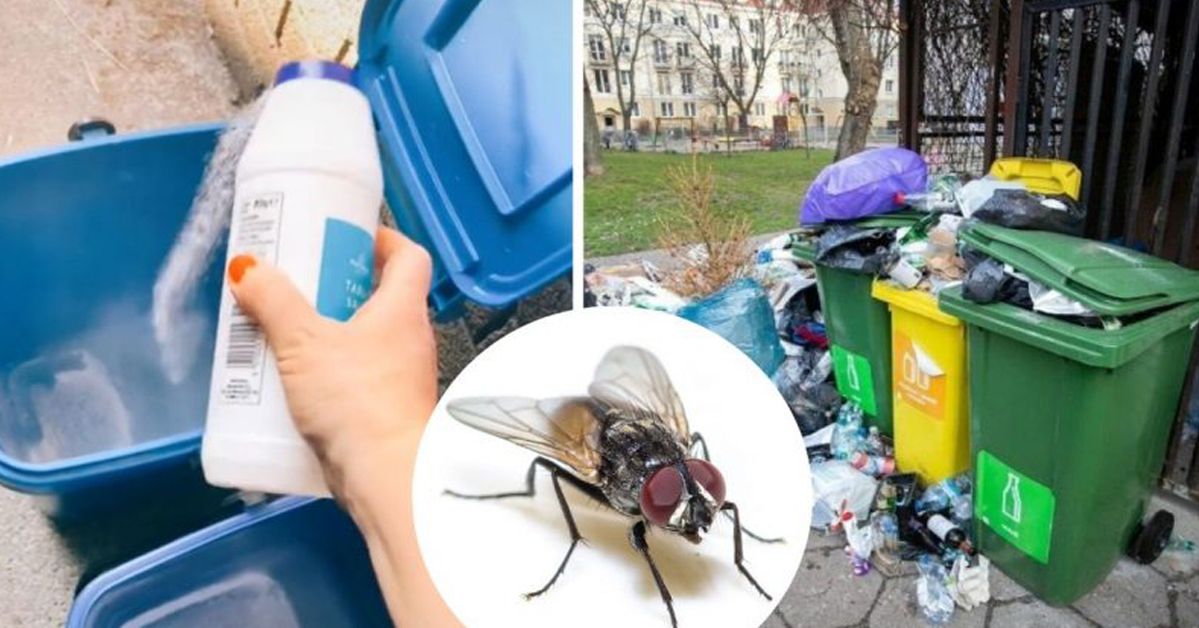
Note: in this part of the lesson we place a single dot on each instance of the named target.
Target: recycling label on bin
(854, 379)
(1018, 508)
(919, 381)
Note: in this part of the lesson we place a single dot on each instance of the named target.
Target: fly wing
(633, 378)
(564, 429)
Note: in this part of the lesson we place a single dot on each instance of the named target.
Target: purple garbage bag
(863, 185)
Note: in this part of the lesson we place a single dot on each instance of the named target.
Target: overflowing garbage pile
(887, 519)
(926, 253)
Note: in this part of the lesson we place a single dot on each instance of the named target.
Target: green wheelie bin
(1070, 423)
(859, 330)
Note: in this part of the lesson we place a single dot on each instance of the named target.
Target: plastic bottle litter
(313, 157)
(872, 465)
(848, 434)
(950, 494)
(926, 201)
(932, 594)
(874, 442)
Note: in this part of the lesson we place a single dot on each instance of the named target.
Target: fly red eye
(660, 495)
(709, 477)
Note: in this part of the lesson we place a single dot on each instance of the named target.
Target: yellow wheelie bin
(928, 384)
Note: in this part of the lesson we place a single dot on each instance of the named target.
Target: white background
(484, 554)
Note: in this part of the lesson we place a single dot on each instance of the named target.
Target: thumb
(269, 297)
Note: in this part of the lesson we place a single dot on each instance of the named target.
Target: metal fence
(1107, 84)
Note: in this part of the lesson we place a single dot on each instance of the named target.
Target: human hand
(358, 390)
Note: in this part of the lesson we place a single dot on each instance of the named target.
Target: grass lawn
(619, 207)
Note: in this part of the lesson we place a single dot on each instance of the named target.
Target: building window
(684, 49)
(680, 20)
(733, 22)
(738, 85)
(663, 83)
(758, 56)
(655, 16)
(661, 51)
(890, 86)
(713, 21)
(602, 85)
(617, 9)
(635, 110)
(755, 26)
(716, 52)
(689, 109)
(715, 81)
(667, 110)
(625, 48)
(738, 56)
(786, 84)
(759, 109)
(687, 83)
(626, 77)
(595, 43)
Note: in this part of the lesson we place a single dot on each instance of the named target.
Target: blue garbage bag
(741, 314)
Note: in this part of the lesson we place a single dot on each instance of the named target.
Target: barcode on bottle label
(255, 231)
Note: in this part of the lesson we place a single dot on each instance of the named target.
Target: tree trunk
(860, 103)
(591, 136)
(862, 71)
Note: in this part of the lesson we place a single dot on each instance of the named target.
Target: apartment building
(675, 85)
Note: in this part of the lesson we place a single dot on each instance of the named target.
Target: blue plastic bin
(84, 230)
(472, 101)
(291, 563)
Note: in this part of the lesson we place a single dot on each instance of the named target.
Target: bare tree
(866, 34)
(591, 136)
(735, 40)
(623, 25)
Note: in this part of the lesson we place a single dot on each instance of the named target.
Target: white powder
(178, 326)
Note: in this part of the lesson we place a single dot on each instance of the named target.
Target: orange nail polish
(239, 265)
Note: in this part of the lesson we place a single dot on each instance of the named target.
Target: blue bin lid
(293, 562)
(473, 105)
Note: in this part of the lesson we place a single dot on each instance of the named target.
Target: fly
(627, 444)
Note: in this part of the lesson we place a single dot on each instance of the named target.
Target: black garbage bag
(983, 281)
(986, 282)
(863, 251)
(1022, 209)
(816, 408)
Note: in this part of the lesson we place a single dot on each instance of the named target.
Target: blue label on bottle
(347, 259)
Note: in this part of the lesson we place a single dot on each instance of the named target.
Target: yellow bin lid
(1044, 176)
(916, 301)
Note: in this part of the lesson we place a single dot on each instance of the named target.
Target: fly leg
(697, 439)
(738, 558)
(637, 538)
(556, 474)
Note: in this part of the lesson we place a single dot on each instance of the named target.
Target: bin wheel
(1151, 538)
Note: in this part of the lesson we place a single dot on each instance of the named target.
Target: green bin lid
(893, 220)
(1108, 279)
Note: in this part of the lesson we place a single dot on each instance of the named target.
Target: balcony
(662, 61)
(686, 62)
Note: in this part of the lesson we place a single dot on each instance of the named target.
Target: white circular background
(483, 555)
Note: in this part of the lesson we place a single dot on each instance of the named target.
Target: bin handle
(89, 128)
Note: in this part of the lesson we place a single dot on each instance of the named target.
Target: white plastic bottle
(308, 192)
